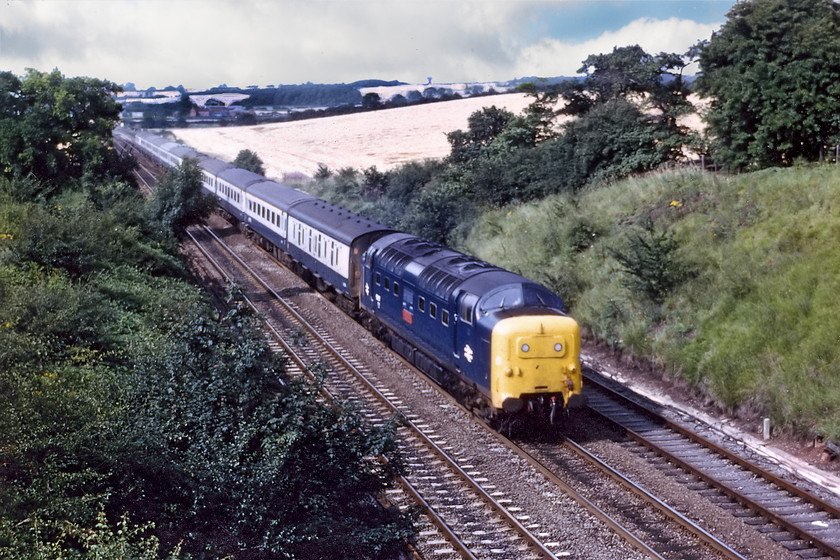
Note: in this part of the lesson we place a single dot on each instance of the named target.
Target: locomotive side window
(378, 279)
(433, 310)
(387, 284)
(444, 317)
(396, 288)
(421, 304)
(467, 308)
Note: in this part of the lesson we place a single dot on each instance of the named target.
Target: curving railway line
(801, 521)
(442, 484)
(467, 517)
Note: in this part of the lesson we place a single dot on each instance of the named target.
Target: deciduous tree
(772, 75)
(246, 159)
(56, 128)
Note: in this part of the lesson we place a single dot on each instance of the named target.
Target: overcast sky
(203, 43)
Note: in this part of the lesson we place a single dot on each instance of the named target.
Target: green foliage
(246, 159)
(56, 128)
(126, 397)
(413, 197)
(179, 199)
(483, 127)
(650, 262)
(243, 463)
(651, 82)
(771, 74)
(76, 237)
(68, 541)
(611, 141)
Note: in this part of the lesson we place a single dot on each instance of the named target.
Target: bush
(650, 262)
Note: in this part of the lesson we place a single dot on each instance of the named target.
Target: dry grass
(382, 138)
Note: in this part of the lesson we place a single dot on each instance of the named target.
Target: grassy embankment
(754, 321)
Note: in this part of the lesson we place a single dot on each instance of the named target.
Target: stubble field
(384, 139)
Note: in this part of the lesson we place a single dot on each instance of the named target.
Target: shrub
(650, 261)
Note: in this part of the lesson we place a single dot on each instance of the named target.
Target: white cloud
(551, 57)
(200, 43)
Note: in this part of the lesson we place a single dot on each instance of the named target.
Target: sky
(204, 43)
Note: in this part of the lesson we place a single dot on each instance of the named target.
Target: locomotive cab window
(507, 298)
(467, 308)
(535, 296)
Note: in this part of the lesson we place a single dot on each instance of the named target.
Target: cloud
(258, 42)
(551, 57)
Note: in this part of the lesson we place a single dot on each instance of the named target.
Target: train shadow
(580, 425)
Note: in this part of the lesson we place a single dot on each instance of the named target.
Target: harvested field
(384, 138)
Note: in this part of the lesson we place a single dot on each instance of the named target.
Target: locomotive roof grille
(393, 259)
(438, 281)
(418, 244)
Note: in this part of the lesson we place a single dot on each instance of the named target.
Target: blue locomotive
(498, 341)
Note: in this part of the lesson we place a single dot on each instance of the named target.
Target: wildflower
(676, 204)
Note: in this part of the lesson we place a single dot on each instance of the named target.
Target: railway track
(452, 493)
(802, 522)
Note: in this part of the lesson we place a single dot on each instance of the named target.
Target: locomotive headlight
(558, 347)
(525, 347)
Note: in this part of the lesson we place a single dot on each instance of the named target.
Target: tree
(55, 128)
(371, 101)
(246, 159)
(611, 141)
(651, 82)
(482, 128)
(179, 199)
(650, 262)
(772, 74)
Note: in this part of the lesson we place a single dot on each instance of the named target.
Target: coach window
(421, 304)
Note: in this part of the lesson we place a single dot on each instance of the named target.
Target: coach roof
(338, 223)
(278, 195)
(240, 178)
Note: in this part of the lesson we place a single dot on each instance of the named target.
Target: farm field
(384, 139)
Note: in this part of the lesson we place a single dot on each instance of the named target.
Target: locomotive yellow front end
(536, 364)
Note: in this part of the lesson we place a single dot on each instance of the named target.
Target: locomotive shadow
(579, 425)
